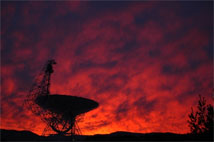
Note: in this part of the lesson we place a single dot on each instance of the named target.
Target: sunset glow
(145, 63)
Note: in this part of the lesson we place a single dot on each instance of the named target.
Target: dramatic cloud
(144, 62)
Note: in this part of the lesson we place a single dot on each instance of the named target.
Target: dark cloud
(129, 46)
(155, 53)
(172, 69)
(137, 59)
(89, 64)
(96, 125)
(122, 110)
(145, 106)
(110, 83)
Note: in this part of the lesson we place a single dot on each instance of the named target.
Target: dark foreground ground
(12, 135)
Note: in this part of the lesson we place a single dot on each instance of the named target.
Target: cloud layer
(144, 62)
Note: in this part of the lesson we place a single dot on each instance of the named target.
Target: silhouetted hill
(12, 135)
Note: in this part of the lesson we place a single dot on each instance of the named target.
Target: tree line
(201, 120)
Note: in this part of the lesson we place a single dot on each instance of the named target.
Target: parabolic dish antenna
(59, 112)
(66, 105)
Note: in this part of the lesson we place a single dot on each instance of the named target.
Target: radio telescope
(59, 112)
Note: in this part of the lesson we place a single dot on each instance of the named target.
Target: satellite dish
(59, 112)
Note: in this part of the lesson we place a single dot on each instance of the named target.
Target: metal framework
(57, 122)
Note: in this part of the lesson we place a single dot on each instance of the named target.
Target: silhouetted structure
(12, 135)
(59, 112)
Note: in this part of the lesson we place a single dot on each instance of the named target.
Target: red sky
(144, 62)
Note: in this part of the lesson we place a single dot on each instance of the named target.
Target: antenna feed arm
(49, 67)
